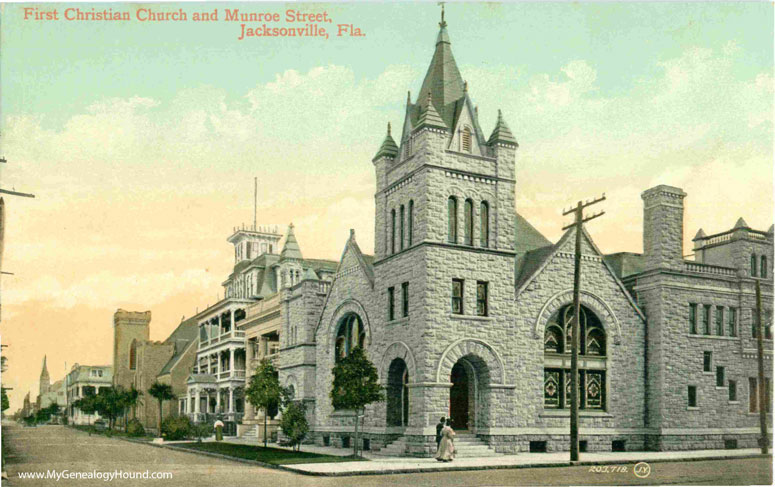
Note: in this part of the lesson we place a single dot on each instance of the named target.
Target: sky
(141, 140)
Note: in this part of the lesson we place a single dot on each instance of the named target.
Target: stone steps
(467, 445)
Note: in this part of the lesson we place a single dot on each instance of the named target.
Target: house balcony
(235, 374)
(232, 336)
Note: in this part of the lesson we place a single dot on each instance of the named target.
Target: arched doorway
(459, 397)
(397, 394)
(468, 404)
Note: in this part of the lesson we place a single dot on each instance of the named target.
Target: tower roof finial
(443, 23)
(388, 128)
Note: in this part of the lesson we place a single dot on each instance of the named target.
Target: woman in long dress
(446, 451)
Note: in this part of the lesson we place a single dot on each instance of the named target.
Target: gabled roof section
(502, 133)
(527, 237)
(388, 147)
(291, 249)
(185, 335)
(366, 266)
(534, 262)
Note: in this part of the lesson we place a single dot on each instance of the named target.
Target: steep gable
(567, 245)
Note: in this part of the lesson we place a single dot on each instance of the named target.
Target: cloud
(107, 289)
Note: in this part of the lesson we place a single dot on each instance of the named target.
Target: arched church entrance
(469, 376)
(397, 393)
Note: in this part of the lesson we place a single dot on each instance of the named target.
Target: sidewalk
(387, 465)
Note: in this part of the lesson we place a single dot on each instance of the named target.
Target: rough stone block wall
(625, 338)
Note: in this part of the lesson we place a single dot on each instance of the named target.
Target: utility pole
(760, 359)
(578, 212)
(255, 203)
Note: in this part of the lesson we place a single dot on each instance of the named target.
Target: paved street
(58, 448)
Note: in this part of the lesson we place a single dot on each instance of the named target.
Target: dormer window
(466, 139)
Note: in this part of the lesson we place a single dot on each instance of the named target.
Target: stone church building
(465, 308)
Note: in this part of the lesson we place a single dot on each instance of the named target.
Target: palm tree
(129, 400)
(162, 392)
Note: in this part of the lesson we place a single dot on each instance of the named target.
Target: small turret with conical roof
(501, 134)
(289, 268)
(291, 248)
(430, 117)
(388, 149)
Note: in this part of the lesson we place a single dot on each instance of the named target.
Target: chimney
(663, 227)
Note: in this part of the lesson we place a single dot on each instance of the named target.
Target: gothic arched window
(392, 231)
(411, 222)
(558, 343)
(349, 335)
(401, 225)
(468, 215)
(133, 355)
(763, 266)
(466, 139)
(484, 224)
(753, 265)
(452, 219)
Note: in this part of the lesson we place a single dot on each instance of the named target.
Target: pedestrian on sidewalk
(218, 430)
(439, 427)
(447, 445)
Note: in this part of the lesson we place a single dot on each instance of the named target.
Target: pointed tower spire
(388, 147)
(741, 223)
(291, 249)
(700, 235)
(501, 133)
(429, 116)
(442, 80)
(45, 382)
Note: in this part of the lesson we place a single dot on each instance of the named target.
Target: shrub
(135, 428)
(176, 428)
(202, 430)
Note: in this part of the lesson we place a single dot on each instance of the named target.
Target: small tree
(264, 390)
(86, 405)
(356, 384)
(294, 423)
(162, 392)
(108, 404)
(6, 404)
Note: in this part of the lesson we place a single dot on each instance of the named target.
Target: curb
(531, 465)
(389, 471)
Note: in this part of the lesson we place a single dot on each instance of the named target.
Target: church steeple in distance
(45, 381)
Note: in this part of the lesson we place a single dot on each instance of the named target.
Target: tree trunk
(266, 413)
(160, 413)
(355, 440)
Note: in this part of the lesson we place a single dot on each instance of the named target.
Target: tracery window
(557, 344)
(349, 335)
(133, 355)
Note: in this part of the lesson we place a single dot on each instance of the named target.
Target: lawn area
(274, 456)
